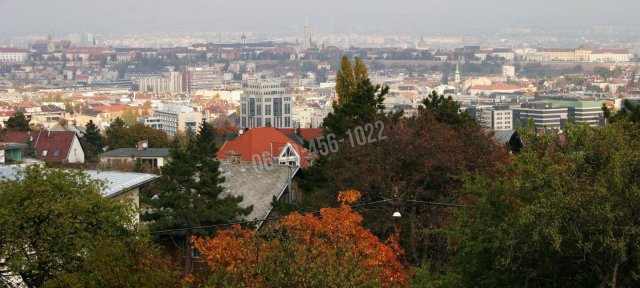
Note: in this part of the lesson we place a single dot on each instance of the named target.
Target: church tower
(457, 75)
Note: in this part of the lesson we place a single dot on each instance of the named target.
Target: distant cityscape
(289, 82)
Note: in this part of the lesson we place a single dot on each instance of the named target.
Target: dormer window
(44, 153)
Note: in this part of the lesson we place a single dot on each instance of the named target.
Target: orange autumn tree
(329, 250)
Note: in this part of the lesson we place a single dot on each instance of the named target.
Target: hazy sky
(20, 17)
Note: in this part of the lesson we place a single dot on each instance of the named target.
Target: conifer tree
(345, 81)
(92, 140)
(360, 71)
(189, 193)
(18, 122)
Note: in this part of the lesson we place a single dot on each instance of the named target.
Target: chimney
(142, 145)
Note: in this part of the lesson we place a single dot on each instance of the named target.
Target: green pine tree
(360, 71)
(189, 193)
(365, 106)
(18, 122)
(445, 109)
(93, 141)
(117, 123)
(345, 81)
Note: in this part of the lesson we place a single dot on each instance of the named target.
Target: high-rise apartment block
(265, 103)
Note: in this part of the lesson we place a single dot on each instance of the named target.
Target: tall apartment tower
(265, 103)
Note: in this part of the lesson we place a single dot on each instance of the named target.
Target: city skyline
(60, 17)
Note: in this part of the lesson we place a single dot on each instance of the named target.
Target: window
(267, 109)
(287, 108)
(287, 122)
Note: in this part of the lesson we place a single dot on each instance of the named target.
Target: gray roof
(256, 186)
(133, 152)
(8, 146)
(116, 182)
(503, 136)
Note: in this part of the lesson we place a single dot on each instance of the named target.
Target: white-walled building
(265, 103)
(176, 118)
(508, 72)
(610, 55)
(492, 117)
(13, 55)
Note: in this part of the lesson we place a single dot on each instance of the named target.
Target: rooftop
(257, 186)
(133, 152)
(116, 182)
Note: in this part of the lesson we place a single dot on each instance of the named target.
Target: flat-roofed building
(177, 118)
(544, 115)
(265, 103)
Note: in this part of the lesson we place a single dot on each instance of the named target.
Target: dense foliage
(189, 193)
(329, 250)
(18, 122)
(56, 230)
(564, 213)
(118, 135)
(92, 142)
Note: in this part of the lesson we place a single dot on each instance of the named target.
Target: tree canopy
(118, 135)
(189, 193)
(93, 141)
(445, 109)
(329, 250)
(563, 213)
(55, 228)
(18, 122)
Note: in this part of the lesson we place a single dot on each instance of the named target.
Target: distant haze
(21, 17)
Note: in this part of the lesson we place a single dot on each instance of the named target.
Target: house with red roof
(266, 145)
(306, 133)
(53, 146)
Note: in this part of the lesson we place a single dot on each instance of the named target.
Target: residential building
(13, 55)
(123, 187)
(154, 158)
(508, 72)
(265, 103)
(178, 118)
(174, 83)
(50, 146)
(495, 118)
(11, 152)
(155, 84)
(268, 146)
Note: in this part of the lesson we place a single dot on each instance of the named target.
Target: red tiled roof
(498, 86)
(557, 50)
(89, 50)
(502, 50)
(259, 142)
(13, 50)
(56, 143)
(610, 51)
(306, 133)
(111, 108)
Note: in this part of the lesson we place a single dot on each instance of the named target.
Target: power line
(313, 212)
